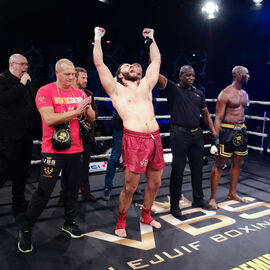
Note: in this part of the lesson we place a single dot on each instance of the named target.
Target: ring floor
(236, 236)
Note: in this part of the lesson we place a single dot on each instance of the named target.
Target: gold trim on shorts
(233, 126)
(228, 155)
(241, 153)
(223, 153)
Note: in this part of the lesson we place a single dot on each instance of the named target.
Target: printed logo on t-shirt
(41, 99)
(67, 100)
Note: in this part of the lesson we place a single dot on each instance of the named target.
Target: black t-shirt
(185, 104)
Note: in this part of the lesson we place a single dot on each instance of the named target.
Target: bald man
(18, 123)
(229, 125)
(58, 103)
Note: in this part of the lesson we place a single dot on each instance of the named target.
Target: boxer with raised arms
(141, 146)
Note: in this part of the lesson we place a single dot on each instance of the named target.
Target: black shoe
(138, 191)
(176, 211)
(24, 244)
(20, 207)
(73, 230)
(89, 197)
(203, 204)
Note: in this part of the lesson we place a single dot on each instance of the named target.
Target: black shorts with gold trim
(233, 140)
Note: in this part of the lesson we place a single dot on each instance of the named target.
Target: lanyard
(64, 98)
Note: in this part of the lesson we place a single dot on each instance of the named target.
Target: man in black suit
(18, 122)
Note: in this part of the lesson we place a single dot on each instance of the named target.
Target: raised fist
(99, 32)
(147, 32)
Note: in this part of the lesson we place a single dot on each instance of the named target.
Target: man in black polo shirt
(186, 103)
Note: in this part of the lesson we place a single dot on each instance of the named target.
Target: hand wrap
(148, 35)
(214, 144)
(99, 33)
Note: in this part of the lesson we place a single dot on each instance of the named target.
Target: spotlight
(257, 4)
(109, 2)
(210, 9)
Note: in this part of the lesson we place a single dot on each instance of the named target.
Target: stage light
(257, 4)
(257, 1)
(109, 2)
(210, 9)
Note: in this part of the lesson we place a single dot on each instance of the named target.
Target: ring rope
(167, 134)
(212, 115)
(207, 100)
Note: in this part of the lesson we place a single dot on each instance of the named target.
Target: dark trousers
(87, 150)
(15, 157)
(86, 156)
(114, 158)
(186, 144)
(51, 165)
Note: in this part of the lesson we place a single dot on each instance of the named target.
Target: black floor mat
(236, 236)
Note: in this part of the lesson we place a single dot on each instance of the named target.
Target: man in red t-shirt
(58, 103)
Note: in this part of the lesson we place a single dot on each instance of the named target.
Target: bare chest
(237, 99)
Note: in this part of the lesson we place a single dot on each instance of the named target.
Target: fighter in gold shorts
(229, 125)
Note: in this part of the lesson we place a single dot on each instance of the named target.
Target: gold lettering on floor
(239, 231)
(147, 236)
(258, 214)
(186, 224)
(201, 222)
(175, 253)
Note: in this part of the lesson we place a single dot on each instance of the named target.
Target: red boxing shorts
(142, 150)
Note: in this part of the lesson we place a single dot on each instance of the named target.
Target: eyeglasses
(22, 64)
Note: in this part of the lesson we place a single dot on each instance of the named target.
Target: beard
(82, 85)
(129, 77)
(244, 80)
